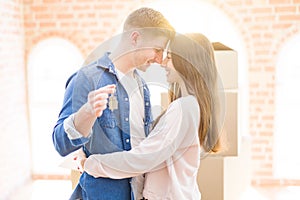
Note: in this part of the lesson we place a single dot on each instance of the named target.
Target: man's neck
(123, 63)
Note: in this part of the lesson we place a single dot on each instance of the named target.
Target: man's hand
(86, 116)
(97, 100)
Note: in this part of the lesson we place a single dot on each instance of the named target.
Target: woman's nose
(164, 63)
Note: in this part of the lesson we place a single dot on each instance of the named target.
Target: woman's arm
(180, 123)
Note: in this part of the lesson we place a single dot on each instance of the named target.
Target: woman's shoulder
(186, 100)
(185, 104)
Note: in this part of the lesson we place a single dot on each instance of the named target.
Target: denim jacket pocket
(107, 119)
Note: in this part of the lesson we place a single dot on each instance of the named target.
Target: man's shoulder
(92, 71)
(97, 67)
(92, 68)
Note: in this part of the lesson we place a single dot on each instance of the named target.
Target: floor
(272, 193)
(44, 190)
(61, 190)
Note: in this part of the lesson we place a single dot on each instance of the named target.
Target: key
(113, 102)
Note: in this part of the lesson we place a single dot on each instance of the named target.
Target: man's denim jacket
(110, 133)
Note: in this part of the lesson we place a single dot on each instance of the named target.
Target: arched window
(287, 109)
(50, 64)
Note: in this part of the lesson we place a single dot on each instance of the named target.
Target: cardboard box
(229, 131)
(226, 178)
(227, 64)
(226, 61)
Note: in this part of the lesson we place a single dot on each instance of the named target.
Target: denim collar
(106, 63)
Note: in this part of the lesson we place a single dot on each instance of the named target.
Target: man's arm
(60, 139)
(73, 130)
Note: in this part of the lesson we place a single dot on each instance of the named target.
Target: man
(97, 125)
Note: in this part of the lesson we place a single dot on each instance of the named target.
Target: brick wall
(14, 136)
(86, 23)
(263, 24)
(269, 24)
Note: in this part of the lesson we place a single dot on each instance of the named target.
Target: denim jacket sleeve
(72, 102)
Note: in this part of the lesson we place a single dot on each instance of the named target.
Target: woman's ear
(134, 37)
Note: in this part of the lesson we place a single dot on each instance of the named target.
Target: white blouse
(170, 155)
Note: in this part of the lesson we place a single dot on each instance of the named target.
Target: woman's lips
(167, 72)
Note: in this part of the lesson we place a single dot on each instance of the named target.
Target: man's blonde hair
(148, 18)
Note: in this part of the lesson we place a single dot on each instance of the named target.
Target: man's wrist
(87, 108)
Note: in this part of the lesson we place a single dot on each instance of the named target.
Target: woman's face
(172, 74)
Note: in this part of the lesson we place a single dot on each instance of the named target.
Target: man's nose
(158, 58)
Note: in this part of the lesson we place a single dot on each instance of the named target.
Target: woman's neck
(183, 89)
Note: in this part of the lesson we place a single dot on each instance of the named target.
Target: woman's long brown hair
(193, 57)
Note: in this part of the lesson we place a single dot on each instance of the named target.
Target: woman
(170, 155)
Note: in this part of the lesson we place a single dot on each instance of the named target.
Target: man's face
(150, 51)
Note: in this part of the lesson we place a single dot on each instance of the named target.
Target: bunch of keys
(113, 102)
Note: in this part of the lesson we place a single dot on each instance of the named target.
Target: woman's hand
(82, 163)
(80, 159)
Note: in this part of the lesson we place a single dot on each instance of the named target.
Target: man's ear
(134, 37)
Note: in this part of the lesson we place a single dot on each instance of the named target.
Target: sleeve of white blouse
(181, 118)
